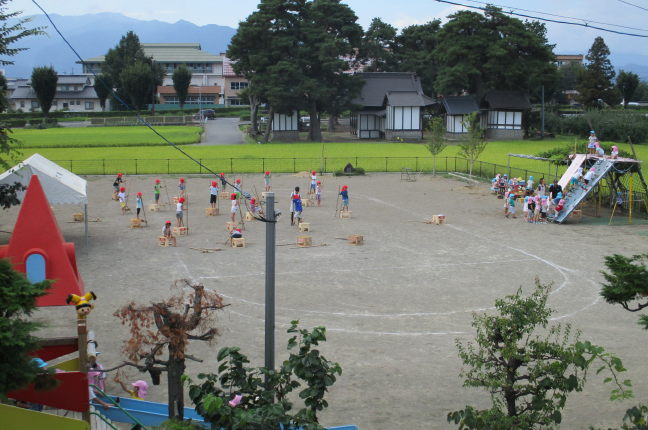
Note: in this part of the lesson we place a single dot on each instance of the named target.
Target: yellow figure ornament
(83, 307)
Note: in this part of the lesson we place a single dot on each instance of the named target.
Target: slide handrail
(137, 423)
(104, 420)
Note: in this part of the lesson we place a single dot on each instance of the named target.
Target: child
(298, 209)
(292, 204)
(255, 208)
(592, 140)
(266, 180)
(179, 209)
(117, 182)
(213, 189)
(139, 389)
(544, 209)
(122, 199)
(511, 205)
(318, 193)
(506, 203)
(530, 184)
(525, 208)
(157, 191)
(313, 183)
(182, 186)
(536, 209)
(559, 197)
(599, 151)
(139, 203)
(99, 380)
(236, 234)
(91, 391)
(234, 199)
(531, 210)
(238, 185)
(559, 207)
(223, 181)
(541, 187)
(575, 180)
(588, 177)
(615, 153)
(166, 232)
(345, 198)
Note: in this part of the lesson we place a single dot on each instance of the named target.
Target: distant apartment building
(73, 92)
(233, 83)
(561, 60)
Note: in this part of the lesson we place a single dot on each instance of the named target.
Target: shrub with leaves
(266, 405)
(560, 155)
(627, 282)
(528, 375)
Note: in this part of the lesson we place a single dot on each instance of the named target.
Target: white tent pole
(86, 228)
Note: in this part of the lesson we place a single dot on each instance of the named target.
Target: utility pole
(153, 89)
(543, 111)
(200, 103)
(271, 242)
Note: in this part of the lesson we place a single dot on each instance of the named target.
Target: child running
(318, 193)
(122, 199)
(139, 203)
(345, 198)
(213, 189)
(117, 182)
(179, 209)
(234, 199)
(157, 191)
(166, 232)
(182, 185)
(266, 180)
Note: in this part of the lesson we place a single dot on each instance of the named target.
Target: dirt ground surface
(392, 308)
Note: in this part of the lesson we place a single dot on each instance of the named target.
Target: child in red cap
(118, 181)
(182, 185)
(213, 189)
(223, 181)
(237, 185)
(313, 183)
(122, 199)
(157, 191)
(139, 203)
(266, 179)
(234, 199)
(345, 198)
(179, 209)
(166, 232)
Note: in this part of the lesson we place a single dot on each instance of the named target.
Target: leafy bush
(560, 155)
(174, 424)
(359, 171)
(245, 117)
(41, 126)
(39, 121)
(15, 122)
(609, 125)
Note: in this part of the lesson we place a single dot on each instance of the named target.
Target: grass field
(104, 137)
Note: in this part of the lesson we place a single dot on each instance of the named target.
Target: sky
(569, 39)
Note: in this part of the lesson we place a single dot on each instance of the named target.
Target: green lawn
(104, 137)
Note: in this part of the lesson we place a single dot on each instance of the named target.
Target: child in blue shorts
(345, 199)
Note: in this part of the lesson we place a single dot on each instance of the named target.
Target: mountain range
(94, 34)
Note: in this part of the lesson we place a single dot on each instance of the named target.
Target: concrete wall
(498, 134)
(404, 134)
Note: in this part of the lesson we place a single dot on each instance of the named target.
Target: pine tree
(43, 82)
(103, 86)
(596, 80)
(378, 46)
(137, 81)
(181, 81)
(627, 83)
(414, 52)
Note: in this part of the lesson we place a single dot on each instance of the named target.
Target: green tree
(473, 144)
(528, 375)
(103, 87)
(414, 52)
(127, 52)
(17, 330)
(627, 83)
(13, 32)
(43, 82)
(136, 81)
(378, 46)
(436, 142)
(597, 78)
(627, 283)
(569, 79)
(478, 52)
(641, 93)
(181, 81)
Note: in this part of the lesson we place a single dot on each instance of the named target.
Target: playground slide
(571, 170)
(577, 194)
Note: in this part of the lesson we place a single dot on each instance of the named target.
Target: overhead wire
(246, 195)
(634, 5)
(586, 24)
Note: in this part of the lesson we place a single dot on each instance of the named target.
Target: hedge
(614, 126)
(39, 121)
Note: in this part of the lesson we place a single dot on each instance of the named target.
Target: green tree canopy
(17, 338)
(414, 52)
(127, 52)
(43, 82)
(378, 46)
(641, 93)
(181, 81)
(627, 283)
(627, 83)
(597, 78)
(478, 52)
(14, 32)
(103, 86)
(137, 81)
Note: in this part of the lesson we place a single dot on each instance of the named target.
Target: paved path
(222, 131)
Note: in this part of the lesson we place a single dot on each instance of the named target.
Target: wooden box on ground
(179, 231)
(304, 226)
(231, 225)
(249, 216)
(304, 241)
(211, 211)
(576, 215)
(224, 195)
(162, 241)
(438, 219)
(136, 223)
(356, 239)
(305, 203)
(263, 195)
(78, 216)
(238, 242)
(345, 215)
(153, 208)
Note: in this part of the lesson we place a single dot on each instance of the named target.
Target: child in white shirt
(122, 199)
(213, 198)
(313, 183)
(234, 199)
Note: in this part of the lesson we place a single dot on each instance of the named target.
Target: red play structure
(38, 249)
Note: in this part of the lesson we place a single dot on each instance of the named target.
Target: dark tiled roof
(378, 84)
(27, 93)
(460, 105)
(408, 98)
(505, 99)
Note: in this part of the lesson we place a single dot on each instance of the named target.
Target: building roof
(228, 70)
(378, 84)
(460, 105)
(88, 92)
(569, 57)
(72, 80)
(505, 99)
(408, 98)
(171, 53)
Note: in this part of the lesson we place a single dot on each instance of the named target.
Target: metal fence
(294, 165)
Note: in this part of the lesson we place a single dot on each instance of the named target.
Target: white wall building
(73, 92)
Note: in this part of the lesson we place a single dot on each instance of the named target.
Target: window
(235, 86)
(76, 88)
(22, 104)
(35, 266)
(89, 105)
(65, 87)
(54, 103)
(505, 120)
(65, 105)
(191, 100)
(78, 102)
(236, 102)
(35, 105)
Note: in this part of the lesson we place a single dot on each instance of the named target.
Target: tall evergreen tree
(181, 81)
(414, 52)
(627, 83)
(43, 82)
(136, 81)
(127, 52)
(596, 80)
(103, 87)
(378, 46)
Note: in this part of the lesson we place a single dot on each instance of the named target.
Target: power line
(634, 5)
(546, 19)
(557, 16)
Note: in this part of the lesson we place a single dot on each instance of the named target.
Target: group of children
(536, 208)
(595, 148)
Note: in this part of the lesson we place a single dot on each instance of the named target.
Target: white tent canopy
(60, 185)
